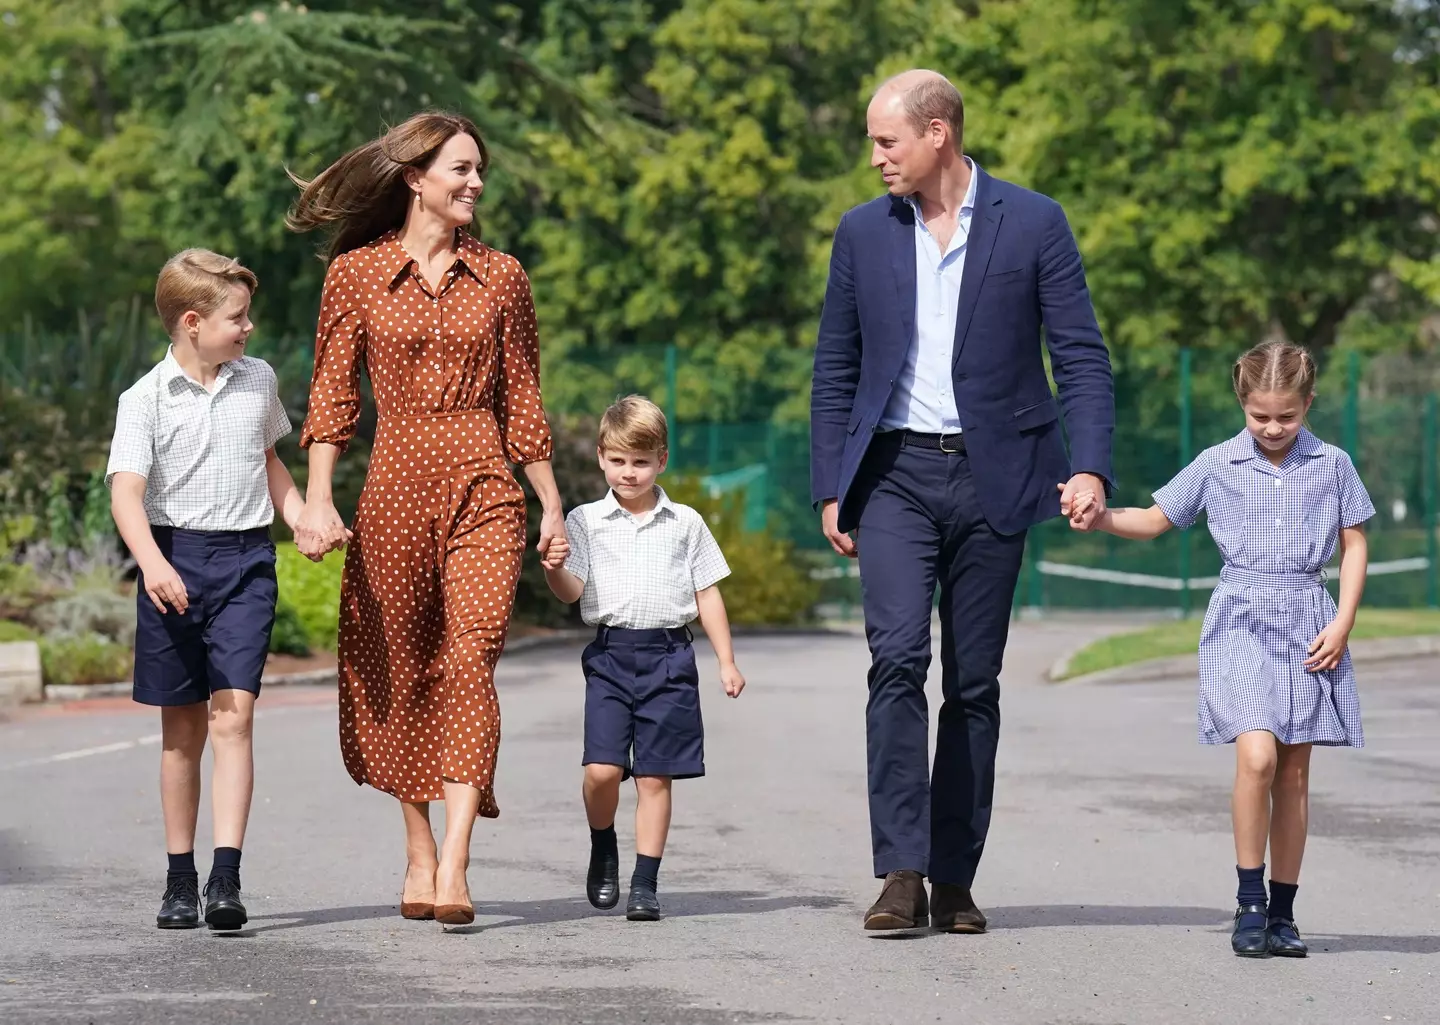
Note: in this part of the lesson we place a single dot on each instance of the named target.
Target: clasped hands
(319, 530)
(1082, 501)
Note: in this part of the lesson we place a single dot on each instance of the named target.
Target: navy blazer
(1022, 272)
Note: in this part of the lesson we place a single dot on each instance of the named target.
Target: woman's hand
(320, 530)
(552, 528)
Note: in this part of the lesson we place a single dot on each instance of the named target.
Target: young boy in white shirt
(642, 568)
(194, 483)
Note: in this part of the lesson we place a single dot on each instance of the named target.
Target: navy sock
(226, 864)
(647, 873)
(1251, 891)
(181, 865)
(602, 842)
(1282, 900)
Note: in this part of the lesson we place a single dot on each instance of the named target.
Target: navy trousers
(920, 525)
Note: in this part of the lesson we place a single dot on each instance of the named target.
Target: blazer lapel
(902, 262)
(984, 227)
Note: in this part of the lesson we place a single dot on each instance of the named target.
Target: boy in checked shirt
(642, 567)
(194, 484)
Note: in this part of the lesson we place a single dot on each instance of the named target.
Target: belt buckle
(948, 451)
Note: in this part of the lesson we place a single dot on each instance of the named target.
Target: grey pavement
(1108, 878)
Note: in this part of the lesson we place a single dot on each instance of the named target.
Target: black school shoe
(223, 909)
(602, 882)
(1284, 939)
(1250, 940)
(180, 907)
(643, 906)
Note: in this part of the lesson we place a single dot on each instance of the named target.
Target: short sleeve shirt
(202, 453)
(1267, 518)
(641, 572)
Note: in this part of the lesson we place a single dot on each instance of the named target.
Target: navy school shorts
(221, 640)
(642, 703)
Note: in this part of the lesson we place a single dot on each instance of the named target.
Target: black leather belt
(951, 443)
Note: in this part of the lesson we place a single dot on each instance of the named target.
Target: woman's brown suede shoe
(903, 903)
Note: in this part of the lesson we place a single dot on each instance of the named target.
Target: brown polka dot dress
(430, 575)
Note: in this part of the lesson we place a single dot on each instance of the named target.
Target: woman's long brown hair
(363, 195)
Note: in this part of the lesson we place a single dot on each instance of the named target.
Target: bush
(103, 613)
(312, 591)
(88, 658)
(768, 585)
(289, 636)
(11, 631)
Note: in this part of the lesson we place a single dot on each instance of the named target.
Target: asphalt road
(1108, 880)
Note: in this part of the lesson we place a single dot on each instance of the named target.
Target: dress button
(1277, 482)
(1277, 523)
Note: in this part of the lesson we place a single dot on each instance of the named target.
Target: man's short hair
(933, 98)
(634, 424)
(199, 280)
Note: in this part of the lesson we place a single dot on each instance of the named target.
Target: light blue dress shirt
(924, 395)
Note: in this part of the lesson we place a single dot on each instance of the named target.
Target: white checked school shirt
(641, 572)
(202, 453)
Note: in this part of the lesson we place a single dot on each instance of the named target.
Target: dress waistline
(1279, 581)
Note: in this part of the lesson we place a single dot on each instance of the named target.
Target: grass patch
(1182, 637)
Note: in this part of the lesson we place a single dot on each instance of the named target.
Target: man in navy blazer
(936, 440)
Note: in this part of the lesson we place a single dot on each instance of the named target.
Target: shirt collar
(170, 369)
(967, 205)
(1243, 447)
(470, 253)
(610, 505)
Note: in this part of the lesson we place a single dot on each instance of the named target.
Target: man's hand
(843, 544)
(1082, 516)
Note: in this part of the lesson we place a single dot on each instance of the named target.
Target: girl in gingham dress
(1275, 672)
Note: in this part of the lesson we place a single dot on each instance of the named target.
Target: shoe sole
(1252, 953)
(1289, 953)
(642, 916)
(894, 923)
(225, 919)
(962, 930)
(177, 925)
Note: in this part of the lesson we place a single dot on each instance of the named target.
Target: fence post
(1186, 447)
(1352, 408)
(1427, 483)
(670, 375)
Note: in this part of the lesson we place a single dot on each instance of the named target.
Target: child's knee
(231, 721)
(652, 786)
(184, 727)
(1256, 763)
(600, 775)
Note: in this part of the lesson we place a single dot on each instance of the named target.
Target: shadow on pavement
(1053, 916)
(679, 904)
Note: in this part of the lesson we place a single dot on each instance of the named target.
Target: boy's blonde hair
(634, 424)
(199, 280)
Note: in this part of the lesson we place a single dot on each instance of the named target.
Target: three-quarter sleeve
(518, 408)
(334, 410)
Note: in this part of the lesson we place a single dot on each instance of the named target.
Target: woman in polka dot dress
(444, 326)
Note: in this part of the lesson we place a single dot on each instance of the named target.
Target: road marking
(86, 752)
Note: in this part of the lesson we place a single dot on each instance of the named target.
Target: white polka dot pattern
(430, 576)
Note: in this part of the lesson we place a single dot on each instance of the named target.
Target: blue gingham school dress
(1277, 528)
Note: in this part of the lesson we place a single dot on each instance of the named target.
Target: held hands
(319, 530)
(1082, 500)
(1328, 647)
(164, 585)
(553, 546)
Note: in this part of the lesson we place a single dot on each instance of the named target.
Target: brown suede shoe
(903, 903)
(955, 910)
